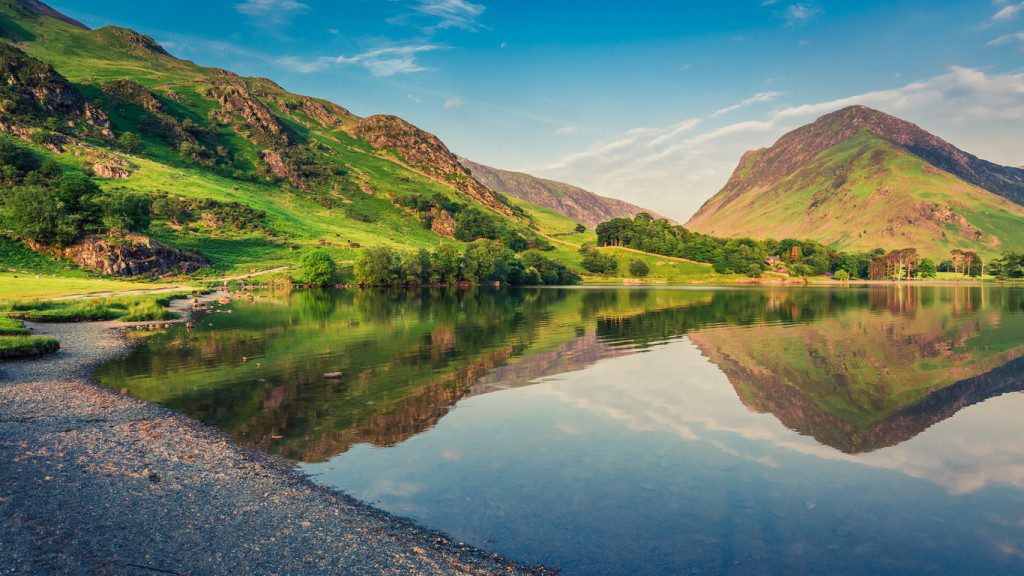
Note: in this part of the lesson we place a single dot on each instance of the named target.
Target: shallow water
(639, 431)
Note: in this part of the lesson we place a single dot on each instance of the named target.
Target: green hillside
(259, 175)
(846, 181)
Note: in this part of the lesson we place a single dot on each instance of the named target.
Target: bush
(126, 211)
(841, 275)
(754, 271)
(147, 310)
(579, 229)
(638, 268)
(316, 268)
(597, 263)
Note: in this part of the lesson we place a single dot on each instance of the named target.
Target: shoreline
(100, 482)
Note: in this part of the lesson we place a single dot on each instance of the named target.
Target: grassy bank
(26, 346)
(133, 308)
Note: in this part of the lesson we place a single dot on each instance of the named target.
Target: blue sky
(649, 101)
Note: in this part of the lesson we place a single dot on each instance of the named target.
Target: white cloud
(802, 12)
(674, 169)
(271, 12)
(385, 61)
(1008, 12)
(1008, 39)
(451, 13)
(566, 130)
(454, 104)
(755, 99)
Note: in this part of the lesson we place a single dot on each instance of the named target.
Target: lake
(875, 430)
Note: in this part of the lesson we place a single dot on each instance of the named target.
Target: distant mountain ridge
(858, 179)
(571, 201)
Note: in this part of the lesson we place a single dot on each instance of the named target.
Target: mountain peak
(861, 178)
(44, 10)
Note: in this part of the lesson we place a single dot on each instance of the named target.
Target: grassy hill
(859, 179)
(266, 174)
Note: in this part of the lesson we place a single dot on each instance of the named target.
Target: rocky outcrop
(34, 92)
(570, 201)
(132, 255)
(442, 223)
(258, 123)
(134, 41)
(425, 152)
(328, 114)
(111, 171)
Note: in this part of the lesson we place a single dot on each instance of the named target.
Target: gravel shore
(96, 482)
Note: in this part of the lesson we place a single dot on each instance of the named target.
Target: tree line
(48, 206)
(479, 262)
(754, 257)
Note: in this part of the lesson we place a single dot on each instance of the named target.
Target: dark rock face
(575, 203)
(426, 153)
(136, 42)
(259, 123)
(132, 255)
(36, 91)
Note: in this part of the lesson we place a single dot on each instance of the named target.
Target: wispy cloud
(802, 12)
(1008, 12)
(271, 13)
(675, 169)
(385, 61)
(454, 104)
(755, 99)
(566, 130)
(1008, 39)
(451, 13)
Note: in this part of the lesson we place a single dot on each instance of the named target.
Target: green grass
(127, 308)
(26, 346)
(12, 327)
(13, 286)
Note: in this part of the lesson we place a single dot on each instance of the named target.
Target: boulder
(132, 255)
(112, 171)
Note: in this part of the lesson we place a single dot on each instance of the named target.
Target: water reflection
(855, 369)
(623, 431)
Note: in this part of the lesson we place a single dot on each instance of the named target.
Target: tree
(129, 142)
(126, 211)
(927, 268)
(551, 273)
(842, 275)
(596, 262)
(379, 266)
(638, 269)
(473, 223)
(446, 265)
(754, 271)
(579, 229)
(36, 213)
(316, 268)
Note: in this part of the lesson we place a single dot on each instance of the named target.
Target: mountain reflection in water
(852, 431)
(856, 369)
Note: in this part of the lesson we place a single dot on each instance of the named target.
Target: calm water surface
(639, 431)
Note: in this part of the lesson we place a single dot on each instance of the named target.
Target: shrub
(147, 310)
(638, 268)
(841, 275)
(754, 271)
(596, 262)
(317, 268)
(579, 229)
